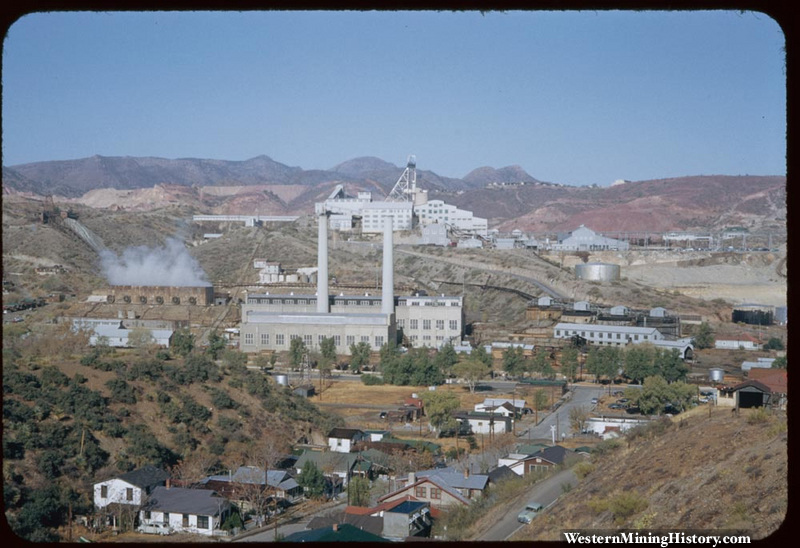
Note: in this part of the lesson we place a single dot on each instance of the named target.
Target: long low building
(607, 335)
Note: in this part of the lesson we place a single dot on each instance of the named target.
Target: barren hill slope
(702, 472)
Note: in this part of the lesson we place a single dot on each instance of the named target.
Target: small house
(183, 510)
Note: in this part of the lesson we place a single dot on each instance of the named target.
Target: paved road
(581, 397)
(545, 492)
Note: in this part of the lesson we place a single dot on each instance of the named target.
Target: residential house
(342, 440)
(469, 485)
(394, 520)
(501, 473)
(335, 533)
(279, 482)
(427, 489)
(336, 466)
(130, 488)
(490, 403)
(199, 511)
(485, 423)
(542, 460)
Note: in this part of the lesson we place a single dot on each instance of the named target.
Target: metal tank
(597, 272)
(282, 380)
(716, 374)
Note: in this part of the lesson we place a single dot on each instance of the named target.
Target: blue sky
(572, 97)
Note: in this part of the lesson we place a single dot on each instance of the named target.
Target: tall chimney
(322, 265)
(387, 298)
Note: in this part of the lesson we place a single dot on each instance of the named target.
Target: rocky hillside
(700, 472)
(509, 197)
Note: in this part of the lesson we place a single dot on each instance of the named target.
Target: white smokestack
(322, 265)
(387, 299)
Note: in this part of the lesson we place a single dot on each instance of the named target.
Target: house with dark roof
(334, 533)
(198, 511)
(541, 460)
(343, 440)
(774, 379)
(130, 488)
(278, 483)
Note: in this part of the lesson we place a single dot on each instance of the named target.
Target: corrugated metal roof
(606, 328)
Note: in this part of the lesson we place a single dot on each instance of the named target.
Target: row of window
(618, 336)
(104, 492)
(420, 492)
(413, 324)
(202, 521)
(428, 303)
(308, 340)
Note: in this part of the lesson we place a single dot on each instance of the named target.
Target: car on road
(594, 401)
(531, 510)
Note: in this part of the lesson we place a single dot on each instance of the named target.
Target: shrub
(583, 469)
(758, 416)
(371, 380)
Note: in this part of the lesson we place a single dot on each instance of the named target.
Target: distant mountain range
(73, 178)
(509, 197)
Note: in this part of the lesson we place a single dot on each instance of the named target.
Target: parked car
(594, 401)
(531, 510)
(155, 528)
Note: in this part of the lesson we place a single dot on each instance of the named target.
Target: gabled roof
(755, 384)
(455, 479)
(340, 462)
(344, 533)
(554, 454)
(435, 480)
(345, 433)
(145, 477)
(180, 500)
(500, 473)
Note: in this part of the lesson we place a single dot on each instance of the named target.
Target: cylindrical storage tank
(282, 380)
(597, 272)
(716, 374)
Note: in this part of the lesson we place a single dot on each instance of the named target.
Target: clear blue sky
(572, 97)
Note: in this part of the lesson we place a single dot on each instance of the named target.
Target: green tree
(297, 351)
(235, 360)
(359, 356)
(446, 358)
(774, 343)
(327, 349)
(480, 353)
(640, 362)
(654, 395)
(704, 338)
(514, 360)
(779, 363)
(311, 480)
(670, 365)
(216, 344)
(439, 408)
(358, 491)
(569, 362)
(472, 371)
(182, 342)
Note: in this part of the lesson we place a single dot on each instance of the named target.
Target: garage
(751, 394)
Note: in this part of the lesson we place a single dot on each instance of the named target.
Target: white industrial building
(436, 211)
(271, 321)
(118, 336)
(609, 335)
(406, 204)
(586, 239)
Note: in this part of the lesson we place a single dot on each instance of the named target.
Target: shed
(751, 393)
(619, 310)
(658, 312)
(580, 305)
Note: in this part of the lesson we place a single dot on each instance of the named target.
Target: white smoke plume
(170, 265)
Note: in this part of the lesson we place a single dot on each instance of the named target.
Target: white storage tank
(716, 374)
(597, 272)
(282, 380)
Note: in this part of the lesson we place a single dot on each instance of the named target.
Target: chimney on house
(335, 527)
(466, 472)
(168, 484)
(412, 478)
